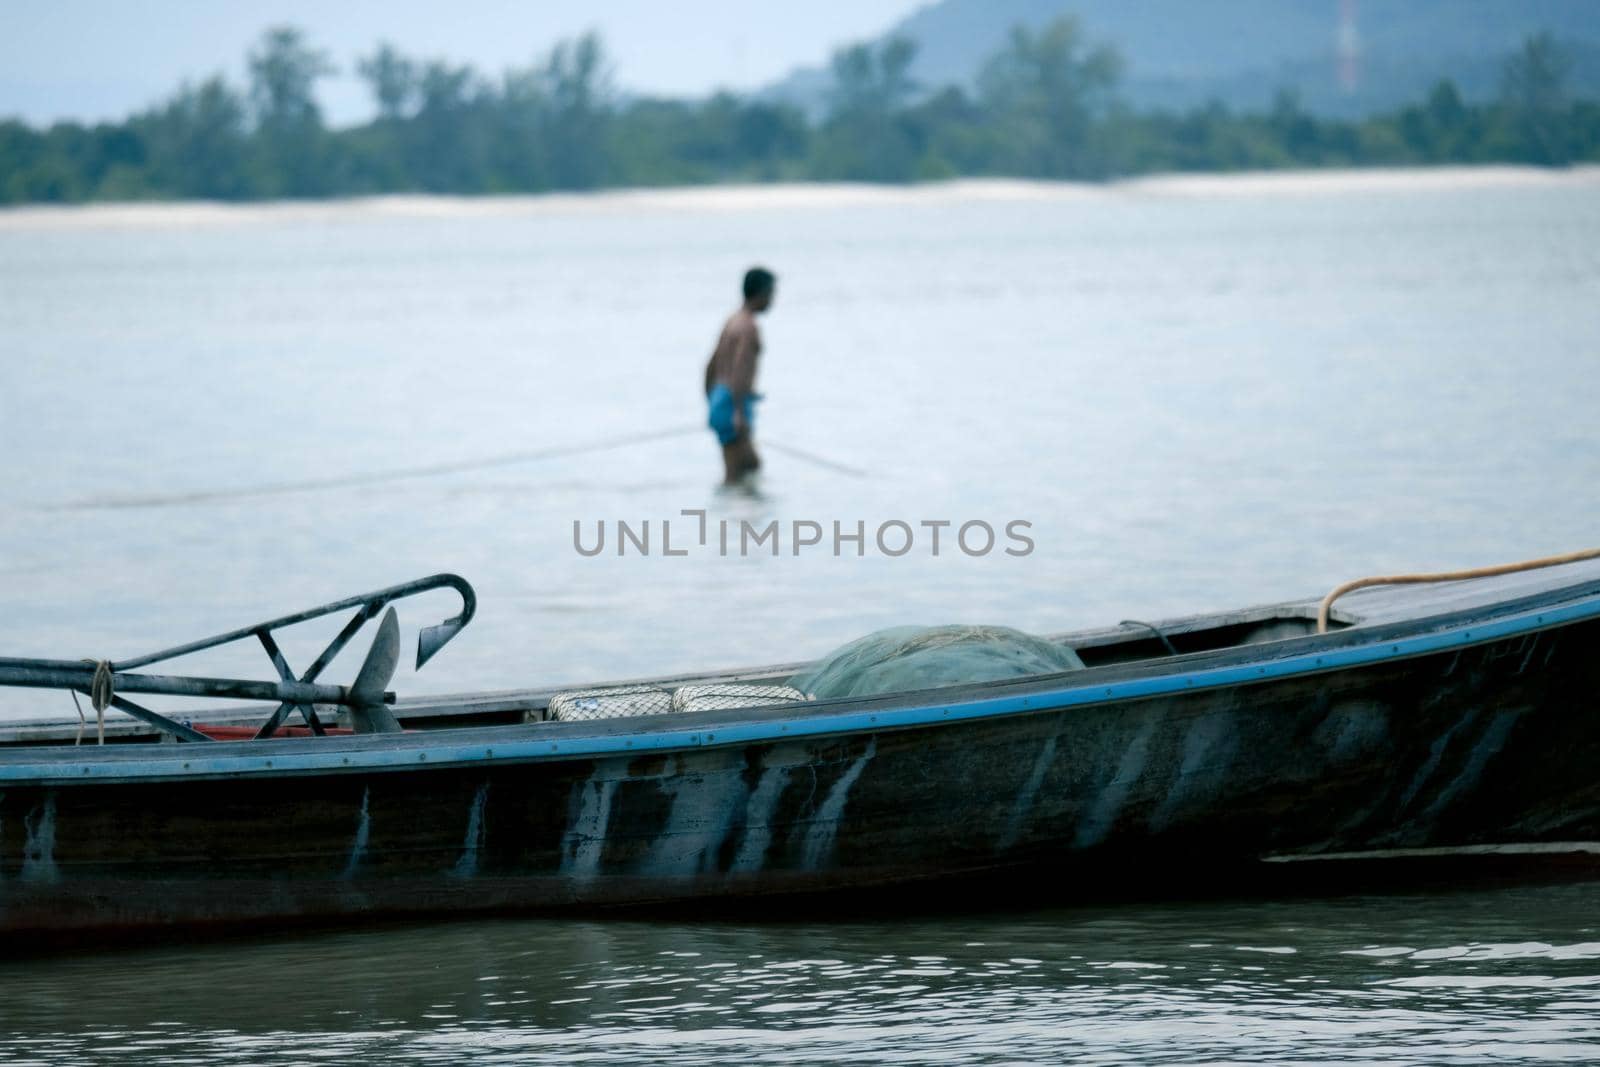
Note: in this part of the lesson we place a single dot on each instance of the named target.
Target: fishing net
(733, 695)
(902, 659)
(906, 658)
(614, 703)
(624, 701)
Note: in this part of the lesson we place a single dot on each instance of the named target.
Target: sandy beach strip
(792, 197)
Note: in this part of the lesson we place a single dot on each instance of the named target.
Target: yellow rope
(1446, 576)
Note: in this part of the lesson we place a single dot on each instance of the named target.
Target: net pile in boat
(733, 695)
(626, 701)
(904, 659)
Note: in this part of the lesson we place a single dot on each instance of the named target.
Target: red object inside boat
(246, 733)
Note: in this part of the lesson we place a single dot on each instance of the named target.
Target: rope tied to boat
(1447, 576)
(101, 692)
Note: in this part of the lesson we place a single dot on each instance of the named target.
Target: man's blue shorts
(720, 418)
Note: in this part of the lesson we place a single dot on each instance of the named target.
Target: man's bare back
(733, 361)
(731, 377)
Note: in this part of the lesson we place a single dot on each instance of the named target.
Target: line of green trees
(1044, 106)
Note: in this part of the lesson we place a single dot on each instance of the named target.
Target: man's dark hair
(757, 281)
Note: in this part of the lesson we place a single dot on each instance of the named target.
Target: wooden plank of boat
(1424, 730)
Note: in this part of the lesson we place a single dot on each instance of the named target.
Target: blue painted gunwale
(445, 748)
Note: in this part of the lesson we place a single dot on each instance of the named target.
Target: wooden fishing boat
(1441, 717)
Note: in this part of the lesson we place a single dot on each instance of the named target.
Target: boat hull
(1476, 743)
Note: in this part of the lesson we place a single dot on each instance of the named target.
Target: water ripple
(1504, 975)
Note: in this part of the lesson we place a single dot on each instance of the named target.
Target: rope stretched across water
(1447, 576)
(814, 459)
(434, 470)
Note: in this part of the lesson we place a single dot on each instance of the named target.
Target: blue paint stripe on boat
(758, 731)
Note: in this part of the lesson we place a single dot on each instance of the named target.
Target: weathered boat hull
(1454, 738)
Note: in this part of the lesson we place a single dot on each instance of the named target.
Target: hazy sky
(95, 59)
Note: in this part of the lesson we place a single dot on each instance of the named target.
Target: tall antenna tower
(1348, 47)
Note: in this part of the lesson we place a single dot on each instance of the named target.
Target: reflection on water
(1482, 976)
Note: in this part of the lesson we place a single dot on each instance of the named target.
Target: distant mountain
(1184, 53)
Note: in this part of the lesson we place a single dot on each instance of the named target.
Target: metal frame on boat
(1440, 717)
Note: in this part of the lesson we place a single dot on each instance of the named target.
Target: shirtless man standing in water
(731, 378)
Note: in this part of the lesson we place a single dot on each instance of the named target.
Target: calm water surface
(1198, 399)
(1504, 976)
